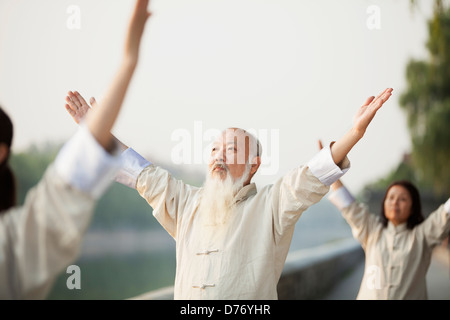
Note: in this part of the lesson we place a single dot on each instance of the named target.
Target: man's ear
(256, 162)
(4, 151)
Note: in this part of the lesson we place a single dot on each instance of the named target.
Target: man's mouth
(219, 168)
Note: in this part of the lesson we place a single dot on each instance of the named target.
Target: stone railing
(311, 273)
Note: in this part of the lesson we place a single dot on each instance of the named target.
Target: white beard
(217, 202)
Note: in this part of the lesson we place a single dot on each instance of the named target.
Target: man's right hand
(76, 106)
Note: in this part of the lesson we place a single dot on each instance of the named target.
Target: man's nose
(219, 156)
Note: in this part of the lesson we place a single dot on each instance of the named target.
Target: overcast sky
(293, 71)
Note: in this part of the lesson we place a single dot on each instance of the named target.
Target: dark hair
(416, 216)
(7, 179)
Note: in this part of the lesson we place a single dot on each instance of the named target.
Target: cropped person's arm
(102, 120)
(39, 239)
(44, 235)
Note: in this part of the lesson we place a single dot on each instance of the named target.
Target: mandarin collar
(245, 192)
(396, 229)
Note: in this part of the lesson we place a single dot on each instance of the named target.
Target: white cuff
(341, 198)
(323, 167)
(447, 206)
(84, 164)
(132, 165)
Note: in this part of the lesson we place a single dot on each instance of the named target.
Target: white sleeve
(83, 163)
(323, 167)
(341, 198)
(132, 165)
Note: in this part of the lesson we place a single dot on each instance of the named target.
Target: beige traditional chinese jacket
(243, 258)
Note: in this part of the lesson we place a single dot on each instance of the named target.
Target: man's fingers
(382, 97)
(71, 104)
(378, 97)
(80, 98)
(368, 101)
(381, 94)
(72, 113)
(69, 109)
(74, 99)
(377, 103)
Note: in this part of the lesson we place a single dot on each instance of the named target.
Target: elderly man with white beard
(232, 239)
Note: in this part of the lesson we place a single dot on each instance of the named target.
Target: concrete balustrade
(310, 273)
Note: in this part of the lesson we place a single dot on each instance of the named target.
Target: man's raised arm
(361, 121)
(331, 162)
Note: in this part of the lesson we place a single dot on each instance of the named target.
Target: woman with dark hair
(397, 244)
(413, 215)
(43, 236)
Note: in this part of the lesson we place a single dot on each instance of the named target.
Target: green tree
(427, 104)
(29, 166)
